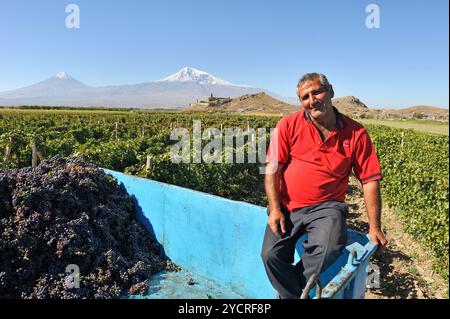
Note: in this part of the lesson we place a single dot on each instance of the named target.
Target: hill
(248, 103)
(415, 112)
(352, 106)
(424, 109)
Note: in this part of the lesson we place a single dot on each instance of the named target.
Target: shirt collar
(339, 121)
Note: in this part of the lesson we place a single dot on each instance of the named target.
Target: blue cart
(217, 242)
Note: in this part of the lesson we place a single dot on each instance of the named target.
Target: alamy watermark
(72, 279)
(373, 19)
(373, 276)
(73, 19)
(225, 145)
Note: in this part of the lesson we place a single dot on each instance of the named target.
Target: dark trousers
(327, 237)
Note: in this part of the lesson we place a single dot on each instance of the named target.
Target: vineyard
(415, 165)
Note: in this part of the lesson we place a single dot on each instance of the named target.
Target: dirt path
(405, 267)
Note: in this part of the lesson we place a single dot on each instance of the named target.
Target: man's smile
(318, 106)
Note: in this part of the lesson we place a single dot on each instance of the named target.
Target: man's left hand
(377, 238)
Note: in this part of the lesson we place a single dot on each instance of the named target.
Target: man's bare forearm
(271, 184)
(372, 198)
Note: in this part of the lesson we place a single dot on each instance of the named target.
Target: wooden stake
(34, 156)
(39, 155)
(149, 164)
(7, 157)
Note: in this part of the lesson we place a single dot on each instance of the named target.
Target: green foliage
(415, 184)
(415, 175)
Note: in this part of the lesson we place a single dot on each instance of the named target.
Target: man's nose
(311, 99)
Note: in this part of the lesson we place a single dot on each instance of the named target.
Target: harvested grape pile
(67, 212)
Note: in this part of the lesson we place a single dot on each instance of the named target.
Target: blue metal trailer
(217, 242)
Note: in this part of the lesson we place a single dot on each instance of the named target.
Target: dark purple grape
(66, 212)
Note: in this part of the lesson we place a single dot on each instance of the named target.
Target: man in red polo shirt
(310, 158)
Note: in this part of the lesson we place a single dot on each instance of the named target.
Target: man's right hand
(276, 222)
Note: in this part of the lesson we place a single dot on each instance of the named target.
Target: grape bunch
(67, 212)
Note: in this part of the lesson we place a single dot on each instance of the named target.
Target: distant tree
(418, 116)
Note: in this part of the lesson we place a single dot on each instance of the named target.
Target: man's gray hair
(312, 76)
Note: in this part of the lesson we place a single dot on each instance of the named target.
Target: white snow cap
(190, 74)
(62, 75)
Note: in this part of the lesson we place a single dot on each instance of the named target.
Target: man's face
(316, 98)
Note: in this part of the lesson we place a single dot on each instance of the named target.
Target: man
(309, 160)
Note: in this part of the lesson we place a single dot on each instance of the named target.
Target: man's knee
(268, 255)
(265, 255)
(333, 253)
(335, 246)
(274, 255)
(325, 244)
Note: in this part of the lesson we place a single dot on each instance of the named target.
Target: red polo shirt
(314, 171)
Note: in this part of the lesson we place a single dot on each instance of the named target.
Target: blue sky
(262, 43)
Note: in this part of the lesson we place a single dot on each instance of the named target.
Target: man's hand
(276, 222)
(377, 238)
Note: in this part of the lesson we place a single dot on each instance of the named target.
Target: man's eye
(317, 92)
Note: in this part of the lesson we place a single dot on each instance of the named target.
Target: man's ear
(330, 89)
(299, 98)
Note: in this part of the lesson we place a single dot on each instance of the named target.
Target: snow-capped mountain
(177, 90)
(60, 85)
(63, 75)
(189, 74)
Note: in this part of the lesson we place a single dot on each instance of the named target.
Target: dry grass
(433, 127)
(406, 268)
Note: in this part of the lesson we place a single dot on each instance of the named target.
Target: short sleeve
(366, 165)
(279, 143)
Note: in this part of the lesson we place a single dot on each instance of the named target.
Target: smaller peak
(349, 100)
